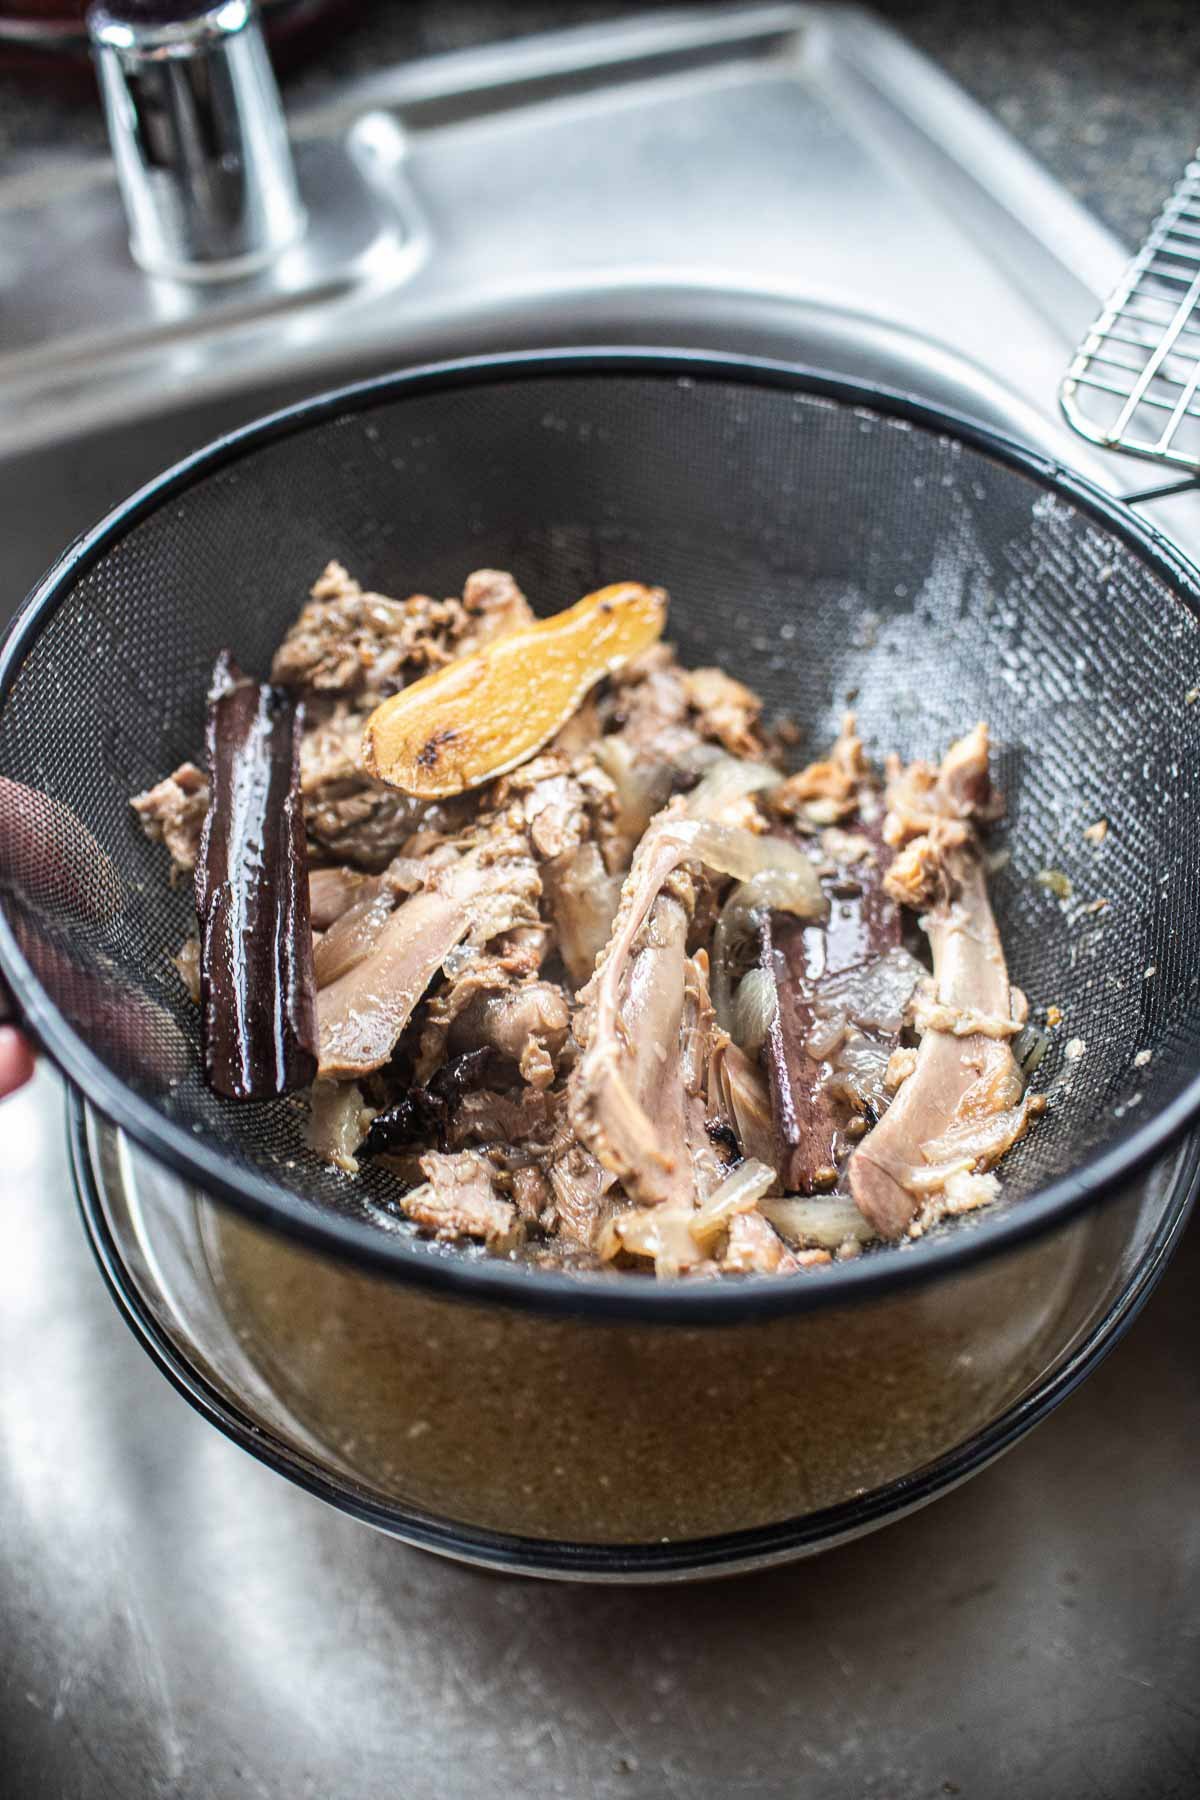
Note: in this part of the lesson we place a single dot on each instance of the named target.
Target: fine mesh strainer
(821, 540)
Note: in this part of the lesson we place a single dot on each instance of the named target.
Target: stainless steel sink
(782, 181)
(777, 180)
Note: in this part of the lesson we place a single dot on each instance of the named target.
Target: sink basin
(775, 181)
(59, 489)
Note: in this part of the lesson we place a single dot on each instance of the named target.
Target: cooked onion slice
(784, 881)
(726, 780)
(755, 1005)
(739, 1192)
(825, 1220)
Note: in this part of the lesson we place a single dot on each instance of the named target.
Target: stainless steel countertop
(1036, 1633)
(1111, 112)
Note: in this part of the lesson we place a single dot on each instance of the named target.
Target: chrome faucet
(198, 135)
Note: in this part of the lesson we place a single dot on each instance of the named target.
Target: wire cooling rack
(1134, 382)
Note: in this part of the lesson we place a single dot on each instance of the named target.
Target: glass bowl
(587, 1448)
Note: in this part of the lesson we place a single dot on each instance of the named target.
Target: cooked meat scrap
(963, 1192)
(583, 898)
(725, 710)
(363, 1013)
(629, 1102)
(516, 1122)
(187, 964)
(569, 804)
(349, 815)
(901, 1064)
(351, 642)
(494, 604)
(459, 1200)
(527, 1024)
(754, 1247)
(649, 708)
(629, 1023)
(664, 711)
(358, 924)
(555, 807)
(485, 892)
(330, 751)
(680, 1230)
(352, 937)
(920, 873)
(636, 1093)
(976, 1141)
(929, 1013)
(507, 963)
(829, 790)
(920, 797)
(531, 1194)
(338, 1122)
(546, 796)
(331, 892)
(365, 826)
(579, 736)
(173, 811)
(850, 848)
(963, 1104)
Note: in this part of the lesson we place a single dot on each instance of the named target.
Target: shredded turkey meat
(458, 1199)
(172, 813)
(350, 642)
(482, 893)
(963, 1105)
(646, 1002)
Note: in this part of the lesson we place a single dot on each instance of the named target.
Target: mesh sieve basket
(821, 540)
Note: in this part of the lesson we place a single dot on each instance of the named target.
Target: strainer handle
(46, 849)
(17, 1049)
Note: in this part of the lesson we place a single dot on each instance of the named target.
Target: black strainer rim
(616, 1297)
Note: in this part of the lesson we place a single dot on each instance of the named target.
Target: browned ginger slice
(488, 712)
